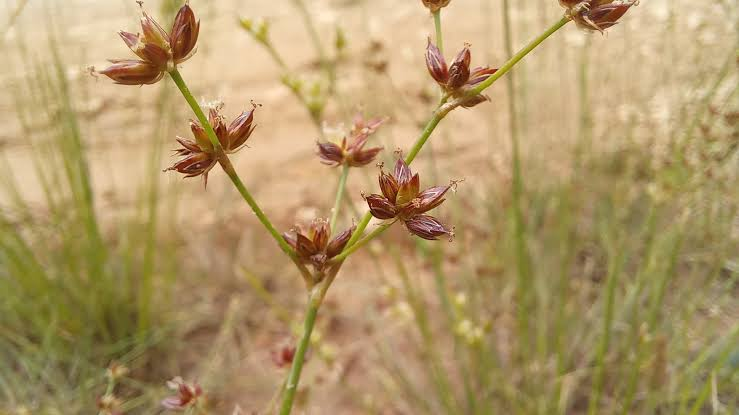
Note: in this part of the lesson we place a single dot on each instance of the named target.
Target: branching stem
(339, 197)
(318, 292)
(231, 172)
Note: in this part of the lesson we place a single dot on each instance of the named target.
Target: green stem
(339, 196)
(354, 247)
(231, 172)
(444, 109)
(439, 35)
(518, 56)
(293, 378)
(356, 241)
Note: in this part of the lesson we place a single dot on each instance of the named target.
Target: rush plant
(319, 251)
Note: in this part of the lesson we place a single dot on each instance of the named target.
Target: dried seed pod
(427, 227)
(185, 31)
(436, 64)
(596, 14)
(313, 246)
(353, 154)
(199, 156)
(381, 207)
(187, 395)
(458, 79)
(389, 186)
(435, 5)
(402, 200)
(459, 70)
(133, 72)
(159, 51)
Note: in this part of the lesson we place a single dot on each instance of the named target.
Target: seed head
(159, 52)
(109, 404)
(185, 31)
(402, 200)
(314, 246)
(188, 395)
(198, 156)
(596, 14)
(458, 78)
(435, 5)
(352, 152)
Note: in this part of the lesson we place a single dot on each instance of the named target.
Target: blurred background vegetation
(612, 290)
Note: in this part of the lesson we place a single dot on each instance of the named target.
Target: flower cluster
(596, 14)
(199, 156)
(159, 52)
(352, 153)
(435, 5)
(108, 404)
(188, 395)
(313, 245)
(457, 79)
(402, 200)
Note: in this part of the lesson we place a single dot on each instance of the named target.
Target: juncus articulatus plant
(318, 251)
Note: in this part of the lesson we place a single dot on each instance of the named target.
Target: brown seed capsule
(185, 31)
(380, 207)
(313, 245)
(331, 154)
(339, 242)
(480, 74)
(459, 71)
(427, 227)
(596, 14)
(199, 156)
(435, 5)
(159, 52)
(133, 72)
(402, 173)
(388, 186)
(458, 79)
(408, 190)
(353, 154)
(431, 198)
(436, 64)
(187, 395)
(240, 130)
(402, 200)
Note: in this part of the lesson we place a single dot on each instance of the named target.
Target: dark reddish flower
(283, 356)
(187, 395)
(596, 14)
(435, 5)
(159, 52)
(198, 156)
(313, 245)
(402, 199)
(458, 78)
(352, 154)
